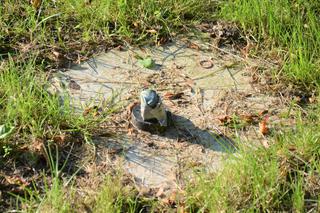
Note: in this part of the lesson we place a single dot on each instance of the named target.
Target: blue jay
(152, 107)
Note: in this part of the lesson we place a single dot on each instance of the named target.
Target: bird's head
(149, 97)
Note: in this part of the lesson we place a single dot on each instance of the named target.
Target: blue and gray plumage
(152, 107)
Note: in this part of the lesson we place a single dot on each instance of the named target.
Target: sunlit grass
(284, 177)
(30, 108)
(291, 27)
(76, 25)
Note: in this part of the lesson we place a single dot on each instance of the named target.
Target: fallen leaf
(60, 139)
(87, 2)
(147, 63)
(162, 41)
(160, 192)
(190, 82)
(249, 118)
(179, 67)
(312, 100)
(74, 85)
(131, 106)
(263, 112)
(95, 111)
(173, 96)
(292, 148)
(36, 3)
(152, 31)
(120, 48)
(263, 126)
(181, 209)
(224, 119)
(130, 131)
(16, 180)
(37, 145)
(56, 54)
(173, 197)
(86, 111)
(246, 50)
(194, 46)
(135, 24)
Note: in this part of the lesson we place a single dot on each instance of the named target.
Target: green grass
(114, 196)
(284, 177)
(74, 28)
(289, 27)
(33, 40)
(55, 196)
(26, 105)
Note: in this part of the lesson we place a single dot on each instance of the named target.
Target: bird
(152, 107)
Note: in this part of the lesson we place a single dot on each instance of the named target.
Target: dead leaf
(263, 126)
(173, 96)
(74, 85)
(312, 100)
(160, 192)
(249, 118)
(292, 148)
(181, 209)
(131, 106)
(254, 78)
(152, 31)
(246, 50)
(263, 112)
(37, 145)
(162, 41)
(120, 48)
(36, 3)
(194, 46)
(16, 180)
(173, 196)
(95, 111)
(170, 200)
(136, 24)
(86, 111)
(190, 82)
(60, 139)
(114, 150)
(87, 2)
(56, 54)
(176, 66)
(224, 119)
(130, 131)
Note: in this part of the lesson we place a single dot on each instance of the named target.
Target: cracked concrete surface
(208, 79)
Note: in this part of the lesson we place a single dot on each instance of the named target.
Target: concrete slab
(205, 77)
